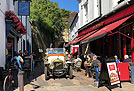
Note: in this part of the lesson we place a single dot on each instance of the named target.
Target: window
(86, 10)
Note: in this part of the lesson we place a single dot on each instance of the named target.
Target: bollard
(96, 76)
(132, 72)
(21, 84)
(96, 73)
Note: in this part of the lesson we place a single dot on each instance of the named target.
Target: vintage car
(56, 64)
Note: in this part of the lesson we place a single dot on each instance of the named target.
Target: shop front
(113, 35)
(14, 31)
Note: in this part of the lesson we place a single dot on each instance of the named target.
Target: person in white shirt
(78, 58)
(75, 60)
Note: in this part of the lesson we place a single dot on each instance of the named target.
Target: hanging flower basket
(10, 15)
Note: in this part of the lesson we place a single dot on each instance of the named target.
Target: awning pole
(121, 34)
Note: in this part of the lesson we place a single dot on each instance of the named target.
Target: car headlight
(51, 66)
(65, 65)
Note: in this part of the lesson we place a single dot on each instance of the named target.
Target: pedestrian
(116, 59)
(88, 65)
(34, 56)
(16, 67)
(95, 62)
(91, 54)
(25, 53)
(20, 53)
(127, 59)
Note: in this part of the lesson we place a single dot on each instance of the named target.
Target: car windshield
(55, 50)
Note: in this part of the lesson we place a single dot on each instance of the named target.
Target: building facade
(74, 26)
(106, 28)
(13, 38)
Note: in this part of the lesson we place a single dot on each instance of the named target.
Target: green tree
(47, 17)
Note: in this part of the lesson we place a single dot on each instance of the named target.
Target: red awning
(106, 29)
(73, 41)
(84, 36)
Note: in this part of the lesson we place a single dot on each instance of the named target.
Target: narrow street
(79, 83)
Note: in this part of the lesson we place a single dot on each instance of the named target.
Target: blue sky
(72, 5)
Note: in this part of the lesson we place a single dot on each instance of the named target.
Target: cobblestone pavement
(78, 83)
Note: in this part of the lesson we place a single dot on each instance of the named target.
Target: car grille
(58, 65)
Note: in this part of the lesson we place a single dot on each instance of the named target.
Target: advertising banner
(113, 73)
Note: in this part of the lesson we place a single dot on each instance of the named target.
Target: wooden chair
(78, 65)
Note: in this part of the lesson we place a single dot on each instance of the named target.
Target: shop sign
(97, 25)
(113, 74)
(24, 8)
(91, 28)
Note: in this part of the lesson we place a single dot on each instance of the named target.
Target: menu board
(113, 73)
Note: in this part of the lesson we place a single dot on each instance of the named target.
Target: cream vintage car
(56, 64)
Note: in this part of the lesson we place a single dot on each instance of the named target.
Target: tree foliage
(49, 18)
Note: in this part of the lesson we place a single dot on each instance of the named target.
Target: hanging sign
(24, 8)
(112, 71)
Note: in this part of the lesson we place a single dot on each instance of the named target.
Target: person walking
(16, 66)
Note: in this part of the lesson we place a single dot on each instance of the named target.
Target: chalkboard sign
(28, 63)
(109, 73)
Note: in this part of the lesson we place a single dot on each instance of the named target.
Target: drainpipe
(100, 8)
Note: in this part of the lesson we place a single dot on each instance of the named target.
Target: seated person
(51, 51)
(76, 59)
(94, 62)
(116, 59)
(88, 65)
(127, 59)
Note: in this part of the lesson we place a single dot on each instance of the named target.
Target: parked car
(56, 64)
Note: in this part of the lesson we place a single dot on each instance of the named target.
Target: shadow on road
(38, 71)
